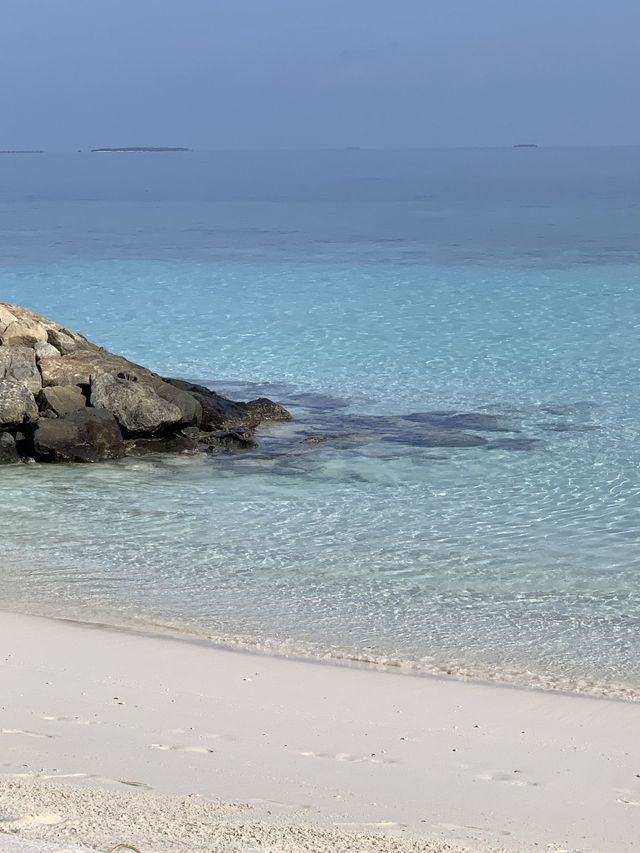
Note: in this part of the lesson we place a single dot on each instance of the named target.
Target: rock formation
(64, 399)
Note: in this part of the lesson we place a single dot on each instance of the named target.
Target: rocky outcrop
(218, 413)
(65, 399)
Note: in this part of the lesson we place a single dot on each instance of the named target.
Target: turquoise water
(350, 285)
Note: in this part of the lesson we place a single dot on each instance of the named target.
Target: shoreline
(465, 675)
(307, 748)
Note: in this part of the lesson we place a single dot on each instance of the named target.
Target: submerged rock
(65, 399)
(515, 444)
(181, 444)
(238, 439)
(462, 420)
(439, 438)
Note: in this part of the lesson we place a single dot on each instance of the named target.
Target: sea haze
(366, 290)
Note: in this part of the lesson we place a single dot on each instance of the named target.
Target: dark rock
(8, 449)
(88, 435)
(136, 406)
(60, 400)
(436, 438)
(339, 440)
(17, 404)
(232, 440)
(218, 413)
(264, 409)
(192, 432)
(568, 427)
(462, 420)
(189, 406)
(316, 439)
(579, 409)
(515, 444)
(317, 402)
(163, 444)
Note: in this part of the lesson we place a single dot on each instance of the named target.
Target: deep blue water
(349, 284)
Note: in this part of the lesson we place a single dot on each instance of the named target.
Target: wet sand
(174, 745)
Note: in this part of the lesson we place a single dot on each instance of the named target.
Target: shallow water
(357, 288)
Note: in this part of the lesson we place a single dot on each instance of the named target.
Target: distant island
(526, 145)
(22, 151)
(138, 149)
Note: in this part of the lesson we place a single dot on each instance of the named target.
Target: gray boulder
(88, 435)
(45, 350)
(190, 407)
(136, 406)
(65, 341)
(8, 450)
(17, 404)
(60, 400)
(19, 363)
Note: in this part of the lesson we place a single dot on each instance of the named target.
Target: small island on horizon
(22, 151)
(526, 145)
(137, 149)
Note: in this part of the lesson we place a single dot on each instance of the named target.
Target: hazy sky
(318, 73)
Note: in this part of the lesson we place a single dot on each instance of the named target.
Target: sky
(318, 73)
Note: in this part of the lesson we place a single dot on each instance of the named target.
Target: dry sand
(107, 736)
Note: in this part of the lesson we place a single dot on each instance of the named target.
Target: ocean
(365, 290)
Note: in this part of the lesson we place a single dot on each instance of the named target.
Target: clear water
(352, 284)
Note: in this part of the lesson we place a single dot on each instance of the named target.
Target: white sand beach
(110, 737)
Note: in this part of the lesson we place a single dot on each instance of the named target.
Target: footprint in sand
(627, 797)
(377, 824)
(64, 776)
(44, 819)
(102, 780)
(200, 750)
(133, 784)
(516, 779)
(24, 732)
(276, 804)
(78, 721)
(353, 759)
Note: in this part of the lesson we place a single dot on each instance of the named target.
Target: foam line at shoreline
(303, 653)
